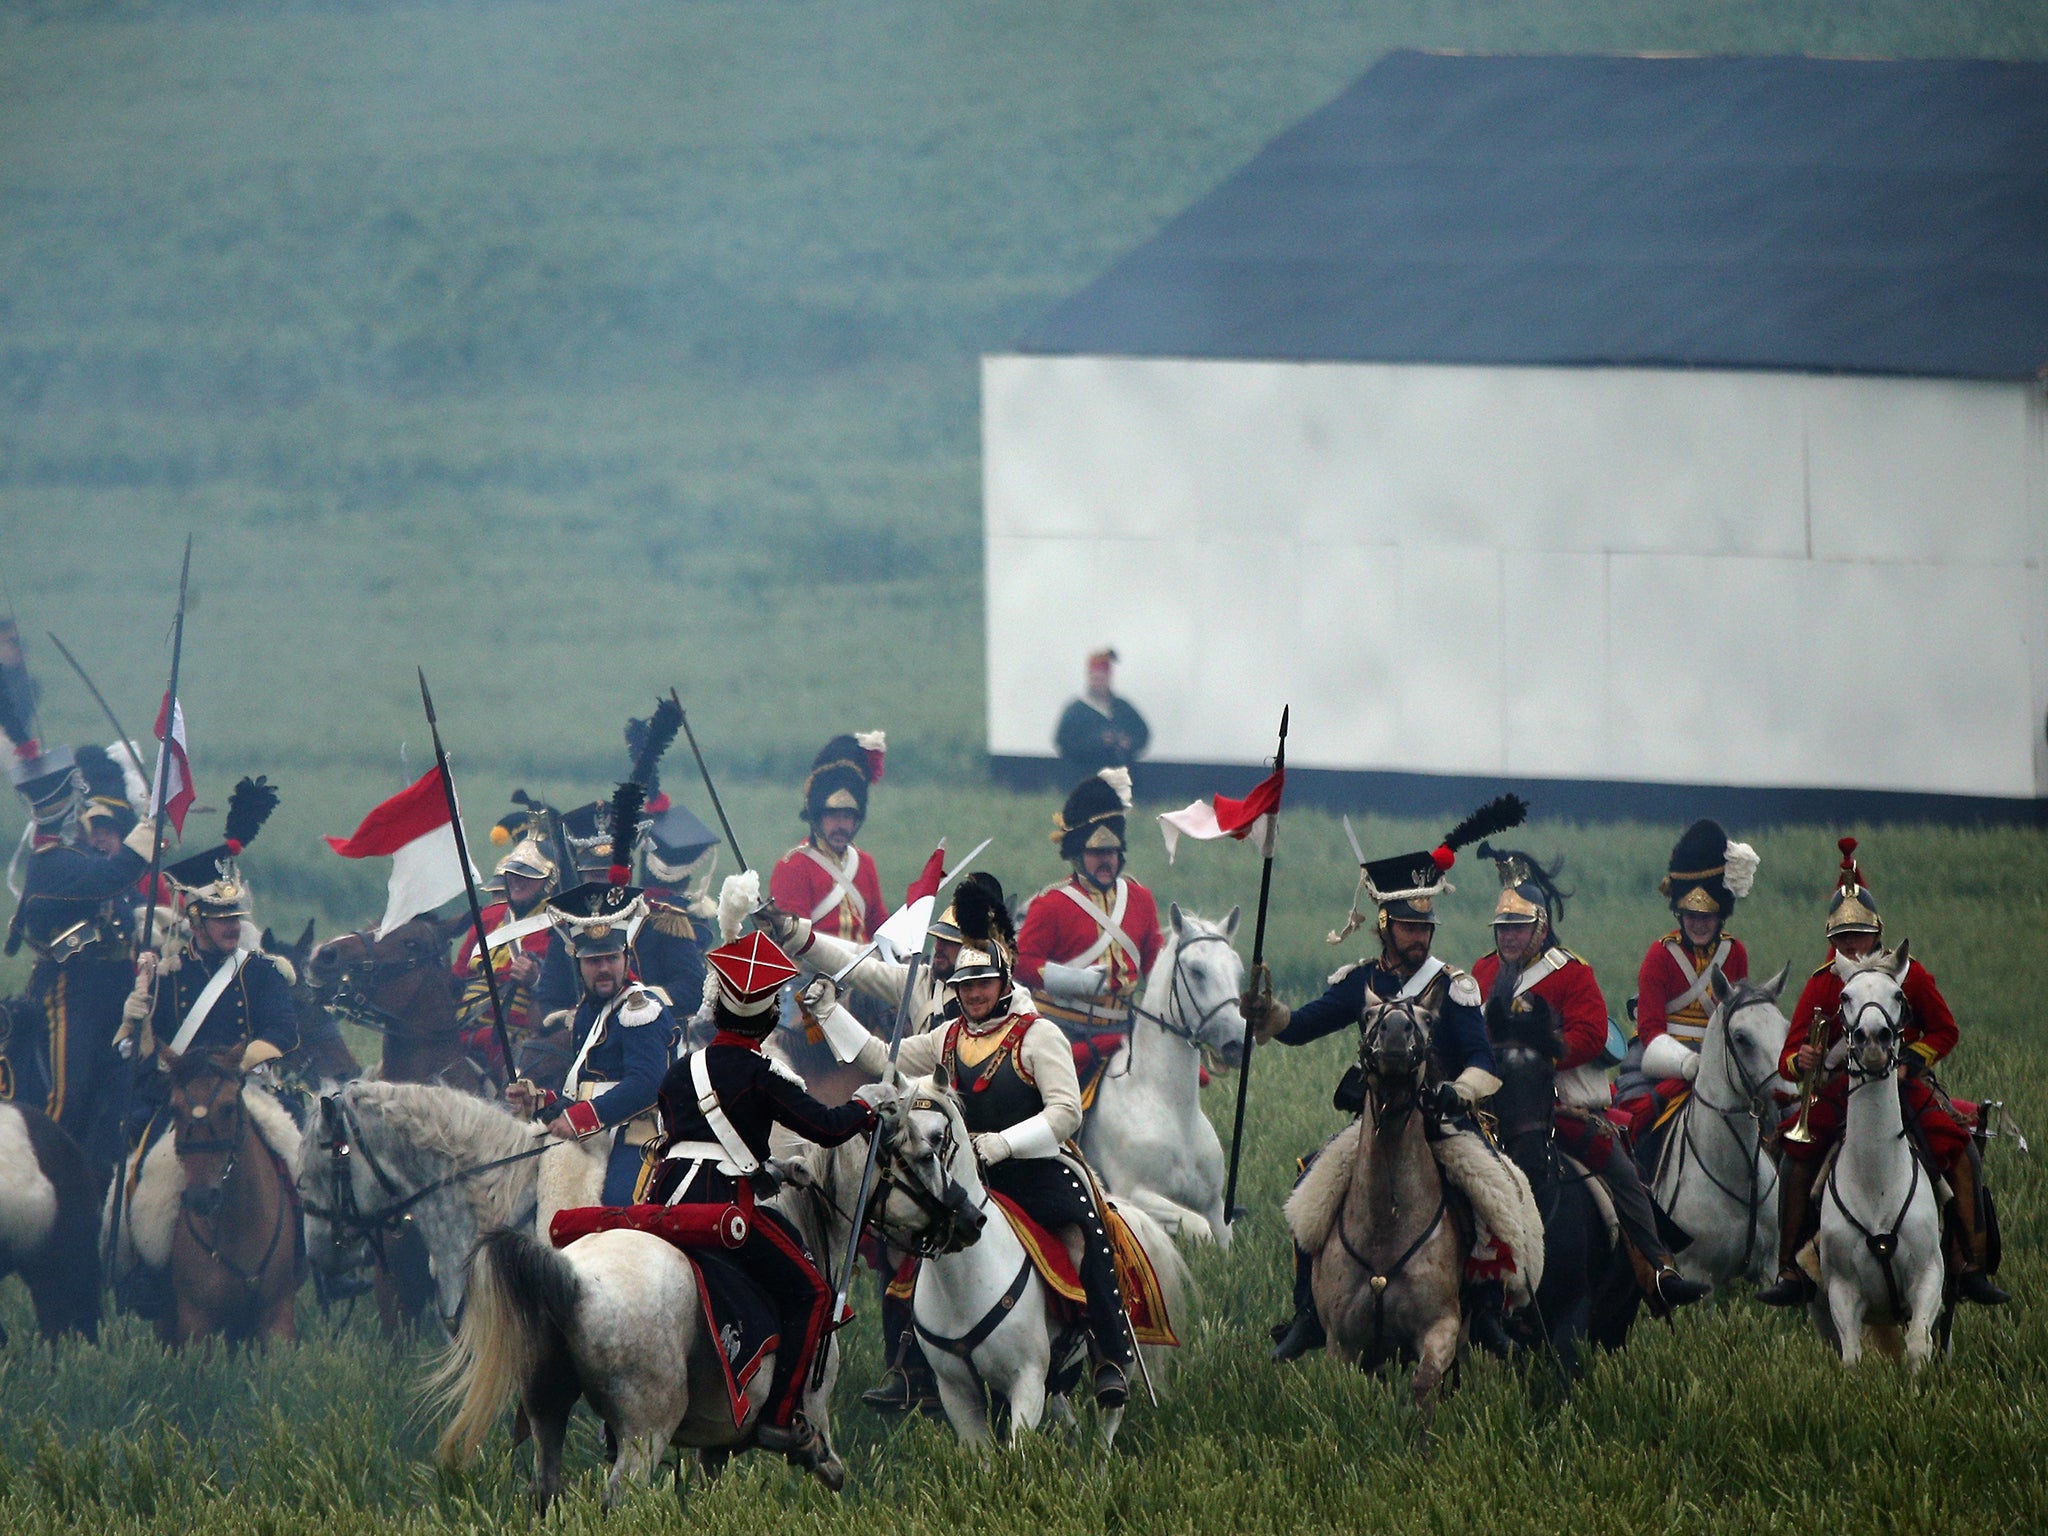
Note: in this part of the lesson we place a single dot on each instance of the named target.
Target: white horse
(981, 1309)
(1880, 1213)
(615, 1318)
(1713, 1177)
(451, 1164)
(1146, 1135)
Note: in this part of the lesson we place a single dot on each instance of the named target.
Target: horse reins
(1754, 1094)
(1178, 991)
(1883, 1246)
(232, 1145)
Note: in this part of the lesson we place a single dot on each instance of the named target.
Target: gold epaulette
(673, 921)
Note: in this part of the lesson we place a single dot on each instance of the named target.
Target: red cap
(751, 969)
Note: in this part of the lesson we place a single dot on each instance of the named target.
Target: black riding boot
(1796, 1223)
(1486, 1303)
(1971, 1246)
(1666, 1287)
(1302, 1332)
(908, 1385)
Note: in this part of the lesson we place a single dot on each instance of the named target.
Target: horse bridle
(232, 1145)
(1369, 1056)
(941, 1234)
(345, 1140)
(1184, 1000)
(1883, 1246)
(1756, 1097)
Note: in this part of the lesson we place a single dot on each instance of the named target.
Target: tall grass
(1731, 1418)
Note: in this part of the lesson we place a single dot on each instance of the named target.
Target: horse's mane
(427, 1119)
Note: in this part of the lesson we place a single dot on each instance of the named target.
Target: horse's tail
(521, 1299)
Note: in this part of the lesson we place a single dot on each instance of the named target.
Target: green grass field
(575, 352)
(1733, 1419)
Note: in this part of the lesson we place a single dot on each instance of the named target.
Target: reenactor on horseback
(1940, 1134)
(825, 879)
(208, 987)
(908, 1385)
(719, 1106)
(622, 1034)
(526, 876)
(75, 913)
(1014, 1075)
(664, 954)
(1089, 942)
(1405, 890)
(1527, 973)
(206, 991)
(1708, 873)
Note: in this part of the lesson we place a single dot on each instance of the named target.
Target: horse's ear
(1230, 923)
(449, 927)
(1900, 957)
(1179, 927)
(269, 942)
(1777, 983)
(1718, 984)
(304, 946)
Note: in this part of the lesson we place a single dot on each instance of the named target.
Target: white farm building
(1625, 428)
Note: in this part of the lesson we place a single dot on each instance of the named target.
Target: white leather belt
(699, 1152)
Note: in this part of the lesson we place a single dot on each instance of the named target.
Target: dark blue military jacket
(1458, 1039)
(631, 1057)
(65, 885)
(257, 1004)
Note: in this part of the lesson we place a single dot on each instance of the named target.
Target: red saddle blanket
(1134, 1272)
(737, 1313)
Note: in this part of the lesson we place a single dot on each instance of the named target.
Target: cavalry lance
(163, 752)
(476, 911)
(100, 699)
(1244, 1071)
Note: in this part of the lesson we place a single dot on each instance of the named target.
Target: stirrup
(1674, 1290)
(1112, 1386)
(797, 1440)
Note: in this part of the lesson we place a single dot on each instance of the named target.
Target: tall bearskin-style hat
(211, 882)
(106, 791)
(600, 917)
(1094, 814)
(988, 939)
(845, 768)
(1405, 887)
(1852, 908)
(1528, 892)
(1709, 871)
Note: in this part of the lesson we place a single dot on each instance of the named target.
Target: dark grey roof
(1814, 214)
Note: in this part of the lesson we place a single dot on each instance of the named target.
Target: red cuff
(582, 1118)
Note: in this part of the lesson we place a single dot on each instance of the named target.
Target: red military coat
(1058, 931)
(839, 908)
(1930, 1034)
(1666, 978)
(518, 1000)
(1569, 986)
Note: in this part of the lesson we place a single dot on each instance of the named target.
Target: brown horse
(237, 1255)
(402, 987)
(1389, 1261)
(321, 1055)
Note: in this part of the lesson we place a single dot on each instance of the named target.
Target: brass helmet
(1528, 892)
(988, 939)
(527, 859)
(1852, 908)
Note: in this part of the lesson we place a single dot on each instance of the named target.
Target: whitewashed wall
(1769, 580)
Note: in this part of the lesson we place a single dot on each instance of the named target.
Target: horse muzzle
(1230, 1055)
